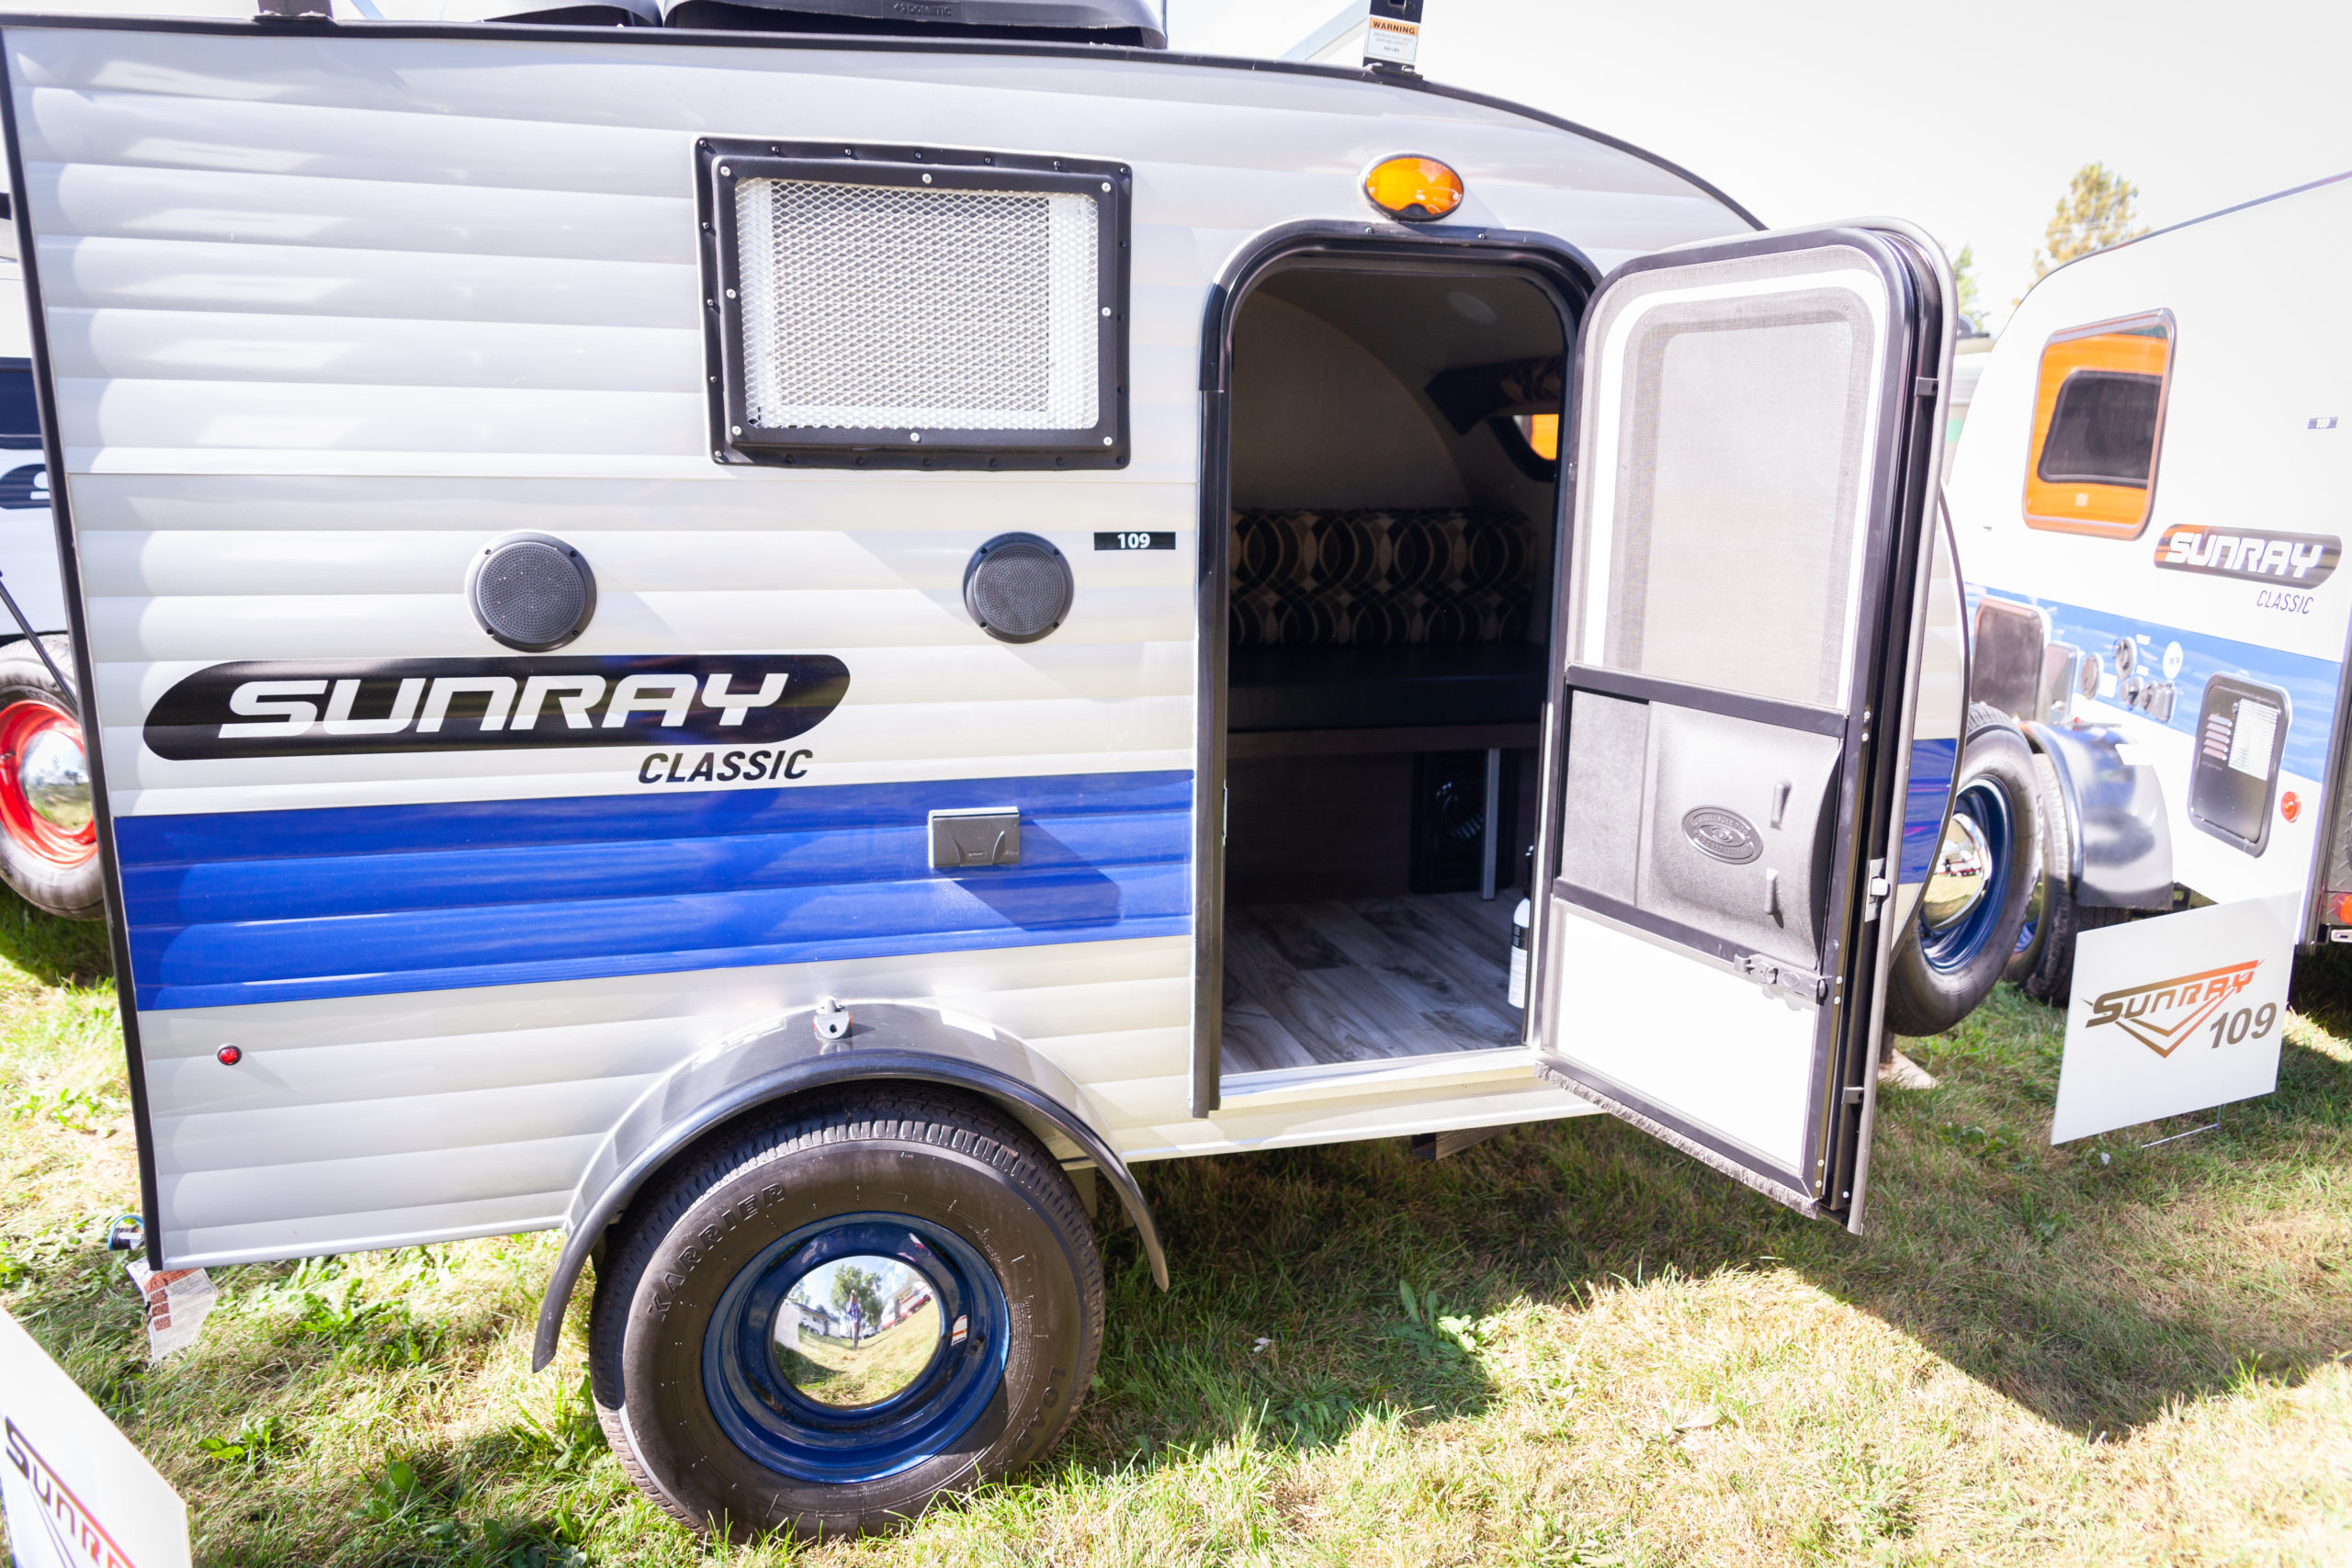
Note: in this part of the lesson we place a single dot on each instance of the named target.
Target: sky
(1969, 121)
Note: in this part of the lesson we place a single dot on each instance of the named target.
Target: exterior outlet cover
(987, 835)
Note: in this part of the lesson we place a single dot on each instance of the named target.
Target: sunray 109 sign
(2175, 1014)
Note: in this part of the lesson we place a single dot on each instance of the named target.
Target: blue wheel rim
(1953, 947)
(775, 1423)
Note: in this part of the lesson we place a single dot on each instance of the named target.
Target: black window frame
(721, 164)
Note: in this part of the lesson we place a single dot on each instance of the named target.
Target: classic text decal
(2306, 559)
(331, 707)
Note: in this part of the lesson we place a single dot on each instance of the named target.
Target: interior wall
(1320, 423)
(1328, 408)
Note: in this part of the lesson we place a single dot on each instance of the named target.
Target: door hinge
(1879, 888)
(1783, 978)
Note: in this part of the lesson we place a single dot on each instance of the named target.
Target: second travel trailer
(2149, 504)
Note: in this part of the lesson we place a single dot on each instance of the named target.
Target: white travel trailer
(48, 850)
(2147, 506)
(781, 648)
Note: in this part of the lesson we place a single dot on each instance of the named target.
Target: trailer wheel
(49, 840)
(1976, 897)
(2044, 966)
(747, 1388)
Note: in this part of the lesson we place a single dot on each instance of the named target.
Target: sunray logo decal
(74, 1533)
(332, 708)
(2304, 560)
(2162, 1015)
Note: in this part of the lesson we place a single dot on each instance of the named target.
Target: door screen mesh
(1743, 448)
(874, 307)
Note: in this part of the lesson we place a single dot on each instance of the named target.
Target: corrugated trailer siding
(329, 313)
(367, 1129)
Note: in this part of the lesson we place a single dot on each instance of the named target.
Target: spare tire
(1975, 901)
(49, 840)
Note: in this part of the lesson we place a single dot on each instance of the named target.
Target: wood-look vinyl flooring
(1309, 984)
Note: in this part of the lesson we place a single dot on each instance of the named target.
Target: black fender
(887, 1041)
(2115, 816)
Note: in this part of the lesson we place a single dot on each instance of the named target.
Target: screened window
(915, 307)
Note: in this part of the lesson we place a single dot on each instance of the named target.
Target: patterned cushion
(1380, 579)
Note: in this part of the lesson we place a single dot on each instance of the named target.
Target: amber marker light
(1412, 188)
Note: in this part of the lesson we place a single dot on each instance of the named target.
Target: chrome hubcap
(55, 776)
(856, 1331)
(1964, 869)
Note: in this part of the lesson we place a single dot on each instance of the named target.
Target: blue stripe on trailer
(1933, 762)
(2310, 683)
(235, 907)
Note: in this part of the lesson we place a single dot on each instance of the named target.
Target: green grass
(1566, 1345)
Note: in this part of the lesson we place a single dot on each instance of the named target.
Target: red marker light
(2291, 806)
(228, 1055)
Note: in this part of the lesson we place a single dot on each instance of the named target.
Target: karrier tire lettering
(1944, 966)
(693, 1318)
(48, 847)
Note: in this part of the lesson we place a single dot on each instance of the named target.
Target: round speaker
(531, 591)
(1018, 587)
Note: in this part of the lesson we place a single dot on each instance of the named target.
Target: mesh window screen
(1734, 542)
(876, 307)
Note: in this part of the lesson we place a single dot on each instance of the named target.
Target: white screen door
(1754, 433)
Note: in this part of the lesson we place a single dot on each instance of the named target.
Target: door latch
(1781, 976)
(1878, 890)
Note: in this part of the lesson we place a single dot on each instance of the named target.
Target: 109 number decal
(2234, 1026)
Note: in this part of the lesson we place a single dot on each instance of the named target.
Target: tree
(1963, 282)
(2096, 212)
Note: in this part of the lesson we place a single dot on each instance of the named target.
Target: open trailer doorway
(1382, 613)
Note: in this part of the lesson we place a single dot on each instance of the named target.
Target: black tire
(2044, 967)
(1936, 977)
(2053, 857)
(55, 872)
(960, 1170)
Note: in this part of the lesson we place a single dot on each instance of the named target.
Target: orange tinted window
(1541, 433)
(2097, 422)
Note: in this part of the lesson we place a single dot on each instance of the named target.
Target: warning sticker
(2251, 737)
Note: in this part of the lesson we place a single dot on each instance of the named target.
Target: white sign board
(78, 1494)
(2178, 1013)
